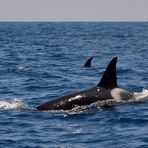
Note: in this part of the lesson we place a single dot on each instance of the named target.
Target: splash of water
(142, 96)
(14, 104)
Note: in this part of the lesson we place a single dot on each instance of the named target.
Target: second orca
(88, 63)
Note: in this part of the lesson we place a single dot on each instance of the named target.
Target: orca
(88, 63)
(106, 89)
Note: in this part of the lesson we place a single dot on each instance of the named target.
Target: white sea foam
(24, 68)
(14, 104)
(142, 96)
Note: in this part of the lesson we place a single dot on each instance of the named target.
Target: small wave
(24, 68)
(14, 104)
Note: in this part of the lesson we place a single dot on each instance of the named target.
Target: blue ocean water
(42, 61)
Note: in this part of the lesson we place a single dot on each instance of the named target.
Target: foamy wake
(14, 104)
(142, 96)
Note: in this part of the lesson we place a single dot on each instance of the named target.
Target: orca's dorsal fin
(88, 62)
(109, 78)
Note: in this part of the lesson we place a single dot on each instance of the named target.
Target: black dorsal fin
(109, 78)
(88, 62)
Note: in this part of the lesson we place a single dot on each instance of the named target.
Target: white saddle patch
(119, 94)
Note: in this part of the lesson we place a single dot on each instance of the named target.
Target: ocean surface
(42, 61)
